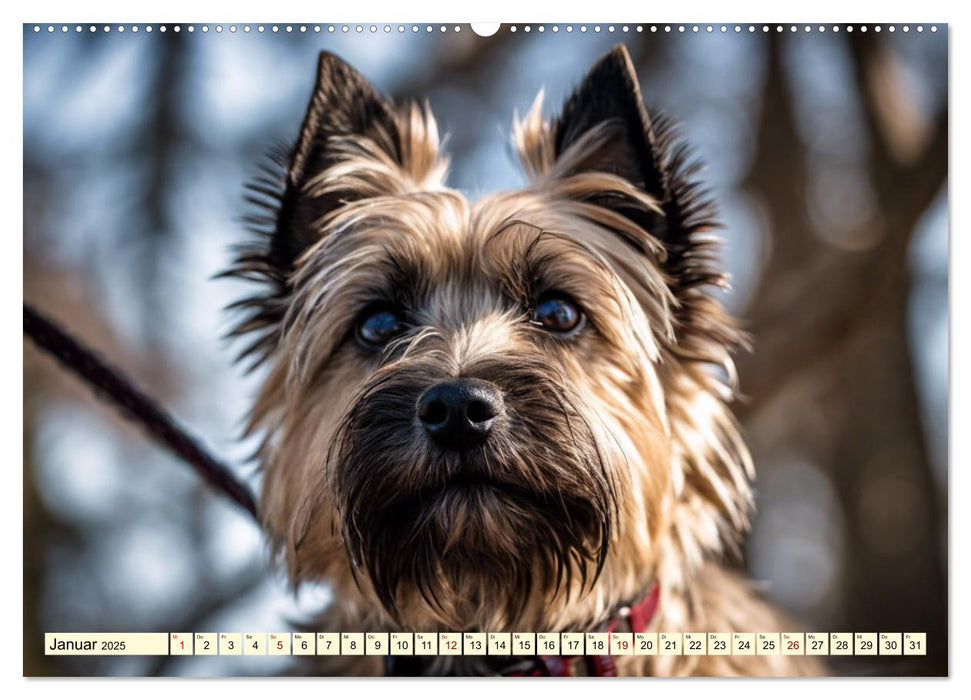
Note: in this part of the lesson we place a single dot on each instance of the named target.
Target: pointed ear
(354, 145)
(604, 128)
(382, 148)
(343, 103)
(609, 99)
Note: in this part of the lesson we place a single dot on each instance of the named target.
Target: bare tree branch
(830, 277)
(135, 404)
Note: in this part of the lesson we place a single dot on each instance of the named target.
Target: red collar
(632, 618)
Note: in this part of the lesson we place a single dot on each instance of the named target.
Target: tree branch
(135, 404)
(788, 342)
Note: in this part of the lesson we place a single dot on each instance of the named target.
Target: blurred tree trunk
(832, 380)
(37, 529)
(159, 145)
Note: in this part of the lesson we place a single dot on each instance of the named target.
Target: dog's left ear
(625, 171)
(604, 128)
(609, 98)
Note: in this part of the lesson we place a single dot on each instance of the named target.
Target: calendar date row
(490, 644)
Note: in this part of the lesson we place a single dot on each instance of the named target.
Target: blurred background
(827, 153)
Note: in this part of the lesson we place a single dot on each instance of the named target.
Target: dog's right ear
(354, 144)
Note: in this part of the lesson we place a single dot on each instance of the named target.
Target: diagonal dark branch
(111, 384)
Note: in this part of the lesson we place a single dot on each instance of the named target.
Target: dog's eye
(379, 326)
(558, 313)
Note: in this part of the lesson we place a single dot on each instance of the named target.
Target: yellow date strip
(485, 644)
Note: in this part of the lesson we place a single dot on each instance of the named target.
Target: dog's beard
(527, 514)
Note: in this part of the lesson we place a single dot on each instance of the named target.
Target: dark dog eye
(558, 313)
(377, 327)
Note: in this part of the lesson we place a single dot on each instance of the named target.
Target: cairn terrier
(509, 414)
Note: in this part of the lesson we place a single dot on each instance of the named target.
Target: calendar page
(517, 350)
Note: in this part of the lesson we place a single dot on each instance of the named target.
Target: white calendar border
(829, 11)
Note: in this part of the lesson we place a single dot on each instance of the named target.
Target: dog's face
(492, 414)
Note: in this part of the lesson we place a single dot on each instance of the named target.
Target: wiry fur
(617, 462)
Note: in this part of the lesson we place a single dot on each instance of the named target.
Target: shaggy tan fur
(624, 462)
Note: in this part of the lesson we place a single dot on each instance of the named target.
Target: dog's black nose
(458, 414)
